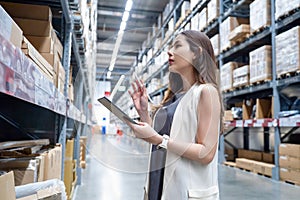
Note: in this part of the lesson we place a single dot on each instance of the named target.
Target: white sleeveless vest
(185, 178)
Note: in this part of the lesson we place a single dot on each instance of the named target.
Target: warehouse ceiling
(143, 15)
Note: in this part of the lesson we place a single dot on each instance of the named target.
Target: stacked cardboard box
(288, 44)
(203, 19)
(228, 25)
(239, 34)
(255, 166)
(289, 162)
(36, 23)
(31, 160)
(226, 75)
(260, 64)
(284, 7)
(195, 21)
(212, 11)
(241, 76)
(260, 15)
(69, 167)
(7, 186)
(215, 41)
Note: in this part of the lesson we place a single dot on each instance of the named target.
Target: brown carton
(292, 150)
(28, 11)
(7, 186)
(35, 27)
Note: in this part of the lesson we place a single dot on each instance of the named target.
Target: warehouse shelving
(51, 114)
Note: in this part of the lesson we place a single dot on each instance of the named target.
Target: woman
(186, 127)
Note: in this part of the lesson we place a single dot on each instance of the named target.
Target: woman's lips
(171, 61)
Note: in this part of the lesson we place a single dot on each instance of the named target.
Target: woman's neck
(188, 80)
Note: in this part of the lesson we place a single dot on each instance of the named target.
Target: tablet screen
(115, 110)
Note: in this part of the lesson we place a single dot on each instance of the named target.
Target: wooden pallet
(259, 30)
(259, 82)
(212, 21)
(287, 14)
(242, 86)
(292, 182)
(230, 164)
(284, 75)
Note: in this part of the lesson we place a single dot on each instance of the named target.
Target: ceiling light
(108, 75)
(123, 26)
(128, 5)
(125, 16)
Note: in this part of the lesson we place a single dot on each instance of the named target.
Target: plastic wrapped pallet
(241, 76)
(288, 44)
(284, 7)
(216, 44)
(260, 14)
(195, 22)
(203, 19)
(260, 64)
(226, 75)
(212, 10)
(228, 25)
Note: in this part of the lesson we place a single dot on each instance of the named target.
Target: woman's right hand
(139, 96)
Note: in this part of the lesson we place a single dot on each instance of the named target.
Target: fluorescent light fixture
(108, 75)
(125, 16)
(123, 26)
(128, 5)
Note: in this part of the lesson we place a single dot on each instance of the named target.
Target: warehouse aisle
(116, 171)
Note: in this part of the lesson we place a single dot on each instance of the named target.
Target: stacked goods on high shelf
(215, 41)
(226, 74)
(261, 64)
(203, 19)
(239, 34)
(241, 76)
(185, 11)
(289, 162)
(83, 144)
(40, 41)
(288, 44)
(285, 7)
(260, 15)
(226, 27)
(213, 11)
(31, 160)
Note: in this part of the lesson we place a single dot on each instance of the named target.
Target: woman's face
(180, 55)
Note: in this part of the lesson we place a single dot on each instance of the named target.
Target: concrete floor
(116, 170)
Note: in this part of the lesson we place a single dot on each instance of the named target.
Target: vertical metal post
(266, 139)
(275, 174)
(77, 153)
(222, 142)
(246, 137)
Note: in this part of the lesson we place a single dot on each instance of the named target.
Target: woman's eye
(177, 46)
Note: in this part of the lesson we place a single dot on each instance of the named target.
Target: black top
(162, 124)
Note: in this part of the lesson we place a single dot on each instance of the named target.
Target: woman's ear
(200, 52)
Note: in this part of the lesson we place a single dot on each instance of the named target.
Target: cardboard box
(7, 186)
(290, 175)
(28, 11)
(261, 64)
(228, 115)
(215, 41)
(263, 108)
(263, 168)
(212, 10)
(60, 78)
(9, 29)
(228, 25)
(42, 44)
(268, 157)
(288, 44)
(53, 162)
(250, 154)
(25, 176)
(289, 162)
(241, 76)
(35, 27)
(203, 19)
(31, 197)
(292, 150)
(247, 108)
(284, 7)
(260, 14)
(226, 75)
(244, 163)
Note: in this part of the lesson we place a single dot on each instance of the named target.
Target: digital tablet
(115, 110)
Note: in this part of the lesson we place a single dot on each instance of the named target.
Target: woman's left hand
(144, 131)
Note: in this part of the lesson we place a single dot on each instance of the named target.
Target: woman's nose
(170, 53)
